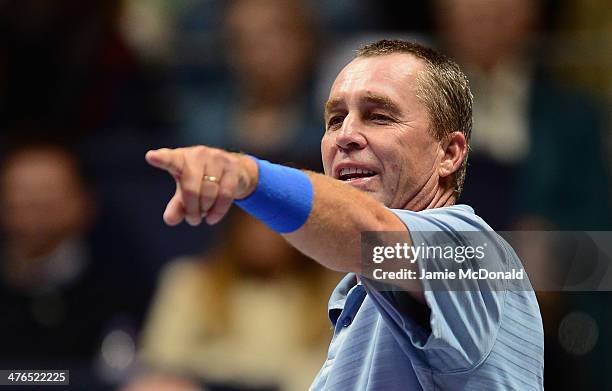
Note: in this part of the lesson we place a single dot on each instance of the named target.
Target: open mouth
(352, 173)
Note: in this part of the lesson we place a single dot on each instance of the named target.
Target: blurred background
(92, 281)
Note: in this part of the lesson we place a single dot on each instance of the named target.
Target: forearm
(332, 233)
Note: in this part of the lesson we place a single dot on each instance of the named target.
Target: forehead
(390, 75)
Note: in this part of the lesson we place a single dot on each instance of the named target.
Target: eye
(335, 122)
(380, 118)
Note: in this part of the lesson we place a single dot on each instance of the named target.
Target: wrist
(279, 196)
(249, 177)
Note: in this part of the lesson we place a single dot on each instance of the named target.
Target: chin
(374, 193)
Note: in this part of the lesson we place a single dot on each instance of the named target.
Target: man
(66, 288)
(398, 121)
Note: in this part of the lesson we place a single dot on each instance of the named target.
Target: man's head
(271, 45)
(485, 34)
(403, 113)
(43, 198)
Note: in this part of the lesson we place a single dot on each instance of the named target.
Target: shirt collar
(466, 207)
(338, 297)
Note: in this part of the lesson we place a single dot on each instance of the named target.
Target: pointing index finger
(171, 160)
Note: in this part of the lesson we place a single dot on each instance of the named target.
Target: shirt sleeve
(462, 324)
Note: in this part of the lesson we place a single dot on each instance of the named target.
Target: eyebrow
(383, 102)
(331, 104)
(369, 99)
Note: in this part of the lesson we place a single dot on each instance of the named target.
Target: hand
(207, 179)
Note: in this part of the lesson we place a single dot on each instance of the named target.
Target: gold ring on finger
(213, 179)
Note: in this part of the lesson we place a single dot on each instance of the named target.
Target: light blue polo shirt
(476, 340)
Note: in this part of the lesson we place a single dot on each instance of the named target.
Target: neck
(442, 197)
(438, 198)
(434, 193)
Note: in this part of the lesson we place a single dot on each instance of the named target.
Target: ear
(455, 149)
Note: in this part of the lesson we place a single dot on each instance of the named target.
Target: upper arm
(461, 324)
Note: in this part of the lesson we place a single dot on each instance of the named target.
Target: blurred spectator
(68, 71)
(198, 29)
(251, 314)
(546, 140)
(266, 107)
(68, 301)
(148, 27)
(583, 45)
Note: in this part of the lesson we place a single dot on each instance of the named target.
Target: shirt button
(346, 322)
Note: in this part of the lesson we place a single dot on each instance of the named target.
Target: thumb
(175, 211)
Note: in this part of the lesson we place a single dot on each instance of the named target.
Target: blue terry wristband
(283, 197)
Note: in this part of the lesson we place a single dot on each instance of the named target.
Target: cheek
(422, 162)
(391, 155)
(327, 153)
(403, 162)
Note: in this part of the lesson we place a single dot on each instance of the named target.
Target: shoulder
(450, 218)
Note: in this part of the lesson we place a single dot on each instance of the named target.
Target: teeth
(354, 170)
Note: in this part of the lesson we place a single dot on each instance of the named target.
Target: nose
(349, 136)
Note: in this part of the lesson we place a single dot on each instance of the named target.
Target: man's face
(377, 138)
(41, 198)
